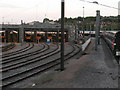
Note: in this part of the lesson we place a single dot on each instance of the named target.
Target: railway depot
(28, 61)
(34, 61)
(81, 53)
(36, 32)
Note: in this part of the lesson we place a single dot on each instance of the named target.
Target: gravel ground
(2, 44)
(32, 79)
(97, 69)
(29, 65)
(35, 48)
(28, 51)
(17, 47)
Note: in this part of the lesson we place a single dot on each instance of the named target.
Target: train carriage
(113, 41)
(117, 41)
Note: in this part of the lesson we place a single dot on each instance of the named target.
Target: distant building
(34, 23)
(46, 20)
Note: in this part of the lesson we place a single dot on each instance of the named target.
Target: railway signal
(4, 40)
(38, 38)
(22, 42)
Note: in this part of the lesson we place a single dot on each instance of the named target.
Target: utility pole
(97, 28)
(62, 34)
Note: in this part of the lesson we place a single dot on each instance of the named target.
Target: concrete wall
(71, 33)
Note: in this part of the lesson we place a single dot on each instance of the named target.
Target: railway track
(21, 48)
(11, 79)
(22, 63)
(8, 47)
(30, 46)
(15, 57)
(21, 59)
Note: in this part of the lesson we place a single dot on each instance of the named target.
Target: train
(113, 41)
(3, 36)
(28, 37)
(39, 36)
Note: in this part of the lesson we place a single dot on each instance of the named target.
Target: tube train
(38, 36)
(3, 36)
(113, 41)
(28, 37)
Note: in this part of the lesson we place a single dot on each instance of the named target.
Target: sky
(13, 11)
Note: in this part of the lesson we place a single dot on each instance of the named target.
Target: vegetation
(107, 22)
(47, 20)
(88, 21)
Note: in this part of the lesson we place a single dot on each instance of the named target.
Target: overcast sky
(13, 11)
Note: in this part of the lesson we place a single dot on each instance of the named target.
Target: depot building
(36, 32)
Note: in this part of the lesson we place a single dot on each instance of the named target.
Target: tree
(46, 20)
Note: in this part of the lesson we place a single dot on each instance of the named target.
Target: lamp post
(62, 34)
(83, 24)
